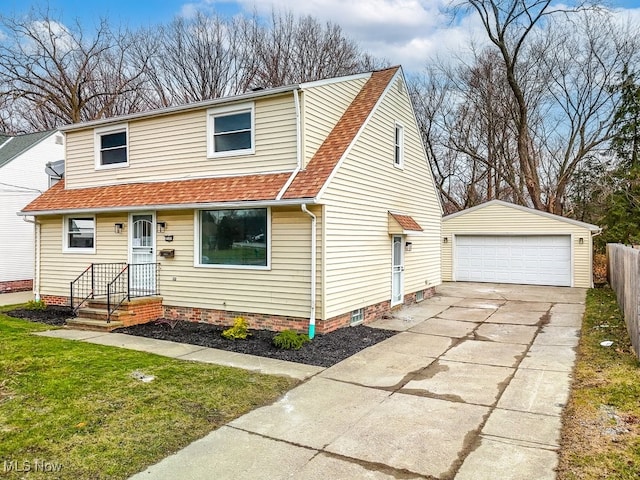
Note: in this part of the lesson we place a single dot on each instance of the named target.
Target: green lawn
(77, 405)
(601, 425)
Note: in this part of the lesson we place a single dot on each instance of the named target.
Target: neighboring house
(505, 243)
(23, 161)
(289, 206)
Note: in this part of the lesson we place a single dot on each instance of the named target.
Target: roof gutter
(179, 206)
(312, 313)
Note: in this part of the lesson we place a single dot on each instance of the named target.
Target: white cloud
(407, 32)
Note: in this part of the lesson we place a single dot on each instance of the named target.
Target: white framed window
(231, 130)
(233, 238)
(357, 317)
(79, 234)
(398, 150)
(111, 145)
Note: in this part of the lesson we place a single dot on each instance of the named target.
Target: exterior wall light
(117, 227)
(408, 246)
(445, 240)
(161, 227)
(581, 240)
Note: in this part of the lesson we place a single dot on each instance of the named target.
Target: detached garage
(500, 242)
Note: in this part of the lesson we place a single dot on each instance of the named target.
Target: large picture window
(80, 233)
(234, 237)
(231, 131)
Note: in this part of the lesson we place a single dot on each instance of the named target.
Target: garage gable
(517, 215)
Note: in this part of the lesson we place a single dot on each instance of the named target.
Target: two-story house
(23, 177)
(309, 206)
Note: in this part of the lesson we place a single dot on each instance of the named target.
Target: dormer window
(111, 146)
(230, 131)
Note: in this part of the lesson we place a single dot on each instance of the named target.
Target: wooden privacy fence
(624, 278)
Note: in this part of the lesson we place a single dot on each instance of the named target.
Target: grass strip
(79, 406)
(601, 424)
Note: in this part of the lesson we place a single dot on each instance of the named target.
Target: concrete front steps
(94, 315)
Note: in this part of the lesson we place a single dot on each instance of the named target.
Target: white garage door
(525, 259)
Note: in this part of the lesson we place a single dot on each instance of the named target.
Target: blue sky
(406, 32)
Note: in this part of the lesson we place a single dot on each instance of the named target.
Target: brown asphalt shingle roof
(307, 183)
(182, 192)
(406, 222)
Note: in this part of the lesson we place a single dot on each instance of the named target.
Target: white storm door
(141, 253)
(397, 273)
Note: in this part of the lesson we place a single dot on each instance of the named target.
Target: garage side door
(522, 259)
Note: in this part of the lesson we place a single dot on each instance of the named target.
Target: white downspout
(296, 102)
(36, 244)
(312, 314)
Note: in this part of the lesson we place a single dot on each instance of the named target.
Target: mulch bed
(323, 351)
(52, 315)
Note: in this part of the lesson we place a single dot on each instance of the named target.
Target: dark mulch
(52, 315)
(324, 350)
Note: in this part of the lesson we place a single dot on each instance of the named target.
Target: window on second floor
(230, 131)
(398, 155)
(111, 146)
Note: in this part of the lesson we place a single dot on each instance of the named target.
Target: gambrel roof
(299, 186)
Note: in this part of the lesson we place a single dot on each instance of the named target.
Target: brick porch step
(80, 323)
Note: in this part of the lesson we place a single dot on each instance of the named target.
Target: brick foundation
(142, 310)
(16, 286)
(279, 322)
(147, 309)
(55, 300)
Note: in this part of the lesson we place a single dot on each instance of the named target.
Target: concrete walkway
(472, 388)
(185, 351)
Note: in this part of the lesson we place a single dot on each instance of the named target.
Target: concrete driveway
(472, 388)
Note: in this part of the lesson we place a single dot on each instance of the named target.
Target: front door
(397, 273)
(141, 253)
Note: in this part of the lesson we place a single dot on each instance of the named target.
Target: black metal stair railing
(135, 280)
(116, 282)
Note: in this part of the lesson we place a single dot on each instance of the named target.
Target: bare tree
(65, 75)
(199, 58)
(528, 110)
(208, 56)
(300, 50)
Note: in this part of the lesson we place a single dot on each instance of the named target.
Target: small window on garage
(357, 317)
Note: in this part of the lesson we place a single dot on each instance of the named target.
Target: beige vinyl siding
(504, 220)
(174, 146)
(59, 268)
(366, 186)
(323, 106)
(282, 290)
